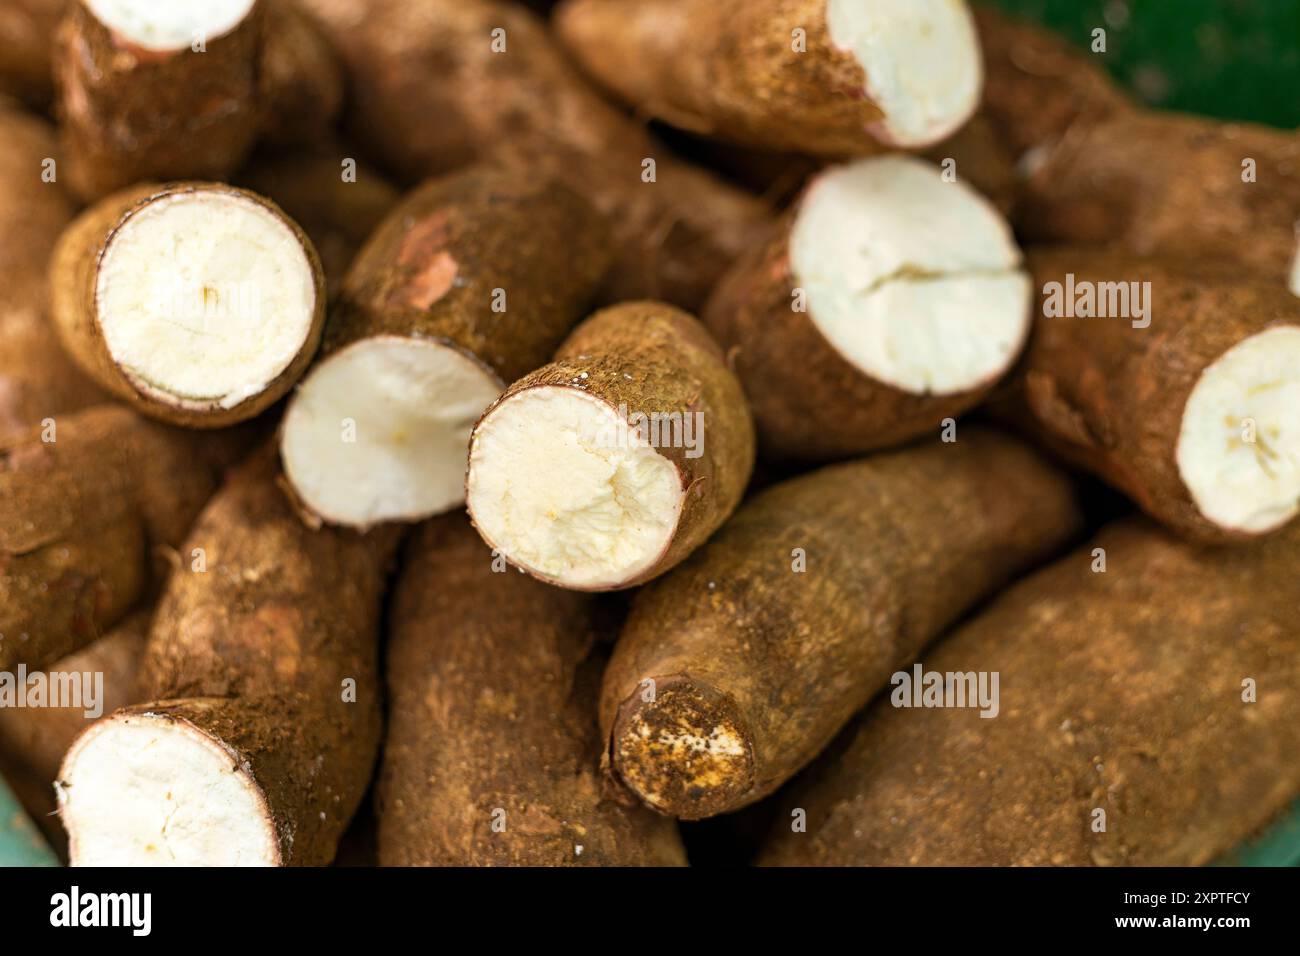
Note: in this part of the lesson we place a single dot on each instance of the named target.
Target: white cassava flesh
(913, 279)
(561, 484)
(169, 24)
(378, 431)
(204, 298)
(1239, 446)
(922, 60)
(145, 790)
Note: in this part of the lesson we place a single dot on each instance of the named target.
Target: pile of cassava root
(563, 485)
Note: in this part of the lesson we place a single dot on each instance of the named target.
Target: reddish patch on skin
(423, 249)
(279, 626)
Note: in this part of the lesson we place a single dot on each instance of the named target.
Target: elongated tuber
(198, 303)
(610, 465)
(493, 753)
(829, 77)
(890, 300)
(264, 717)
(1149, 715)
(27, 30)
(469, 283)
(734, 671)
(502, 92)
(84, 504)
(1176, 382)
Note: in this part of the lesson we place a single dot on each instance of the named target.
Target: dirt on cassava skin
(493, 751)
(767, 661)
(1120, 691)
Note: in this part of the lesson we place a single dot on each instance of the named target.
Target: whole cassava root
(472, 281)
(198, 303)
(492, 754)
(26, 37)
(610, 465)
(889, 300)
(80, 517)
(735, 670)
(1182, 396)
(1123, 691)
(828, 77)
(504, 93)
(37, 381)
(264, 720)
(1110, 182)
(184, 95)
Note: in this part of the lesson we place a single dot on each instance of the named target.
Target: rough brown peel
(255, 653)
(628, 362)
(26, 37)
(1114, 394)
(734, 671)
(528, 107)
(81, 517)
(492, 756)
(1122, 692)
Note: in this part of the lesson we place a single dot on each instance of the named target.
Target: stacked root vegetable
(421, 516)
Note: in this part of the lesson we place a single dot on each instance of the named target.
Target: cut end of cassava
(685, 752)
(173, 25)
(143, 789)
(1239, 447)
(378, 431)
(204, 297)
(922, 61)
(565, 488)
(1295, 274)
(914, 280)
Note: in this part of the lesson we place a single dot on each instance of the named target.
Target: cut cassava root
(198, 303)
(829, 77)
(264, 720)
(470, 283)
(610, 465)
(735, 670)
(80, 518)
(492, 753)
(891, 300)
(1188, 408)
(504, 93)
(182, 90)
(1163, 692)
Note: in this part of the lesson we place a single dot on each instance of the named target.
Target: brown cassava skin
(26, 40)
(650, 357)
(1037, 85)
(254, 652)
(1119, 691)
(493, 680)
(529, 108)
(1110, 397)
(430, 270)
(74, 277)
(1171, 185)
(81, 517)
(37, 380)
(727, 68)
(810, 402)
(981, 158)
(36, 738)
(131, 114)
(769, 663)
(337, 215)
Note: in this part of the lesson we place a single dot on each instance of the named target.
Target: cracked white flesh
(379, 430)
(169, 24)
(922, 60)
(563, 487)
(204, 298)
(141, 790)
(1251, 391)
(913, 280)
